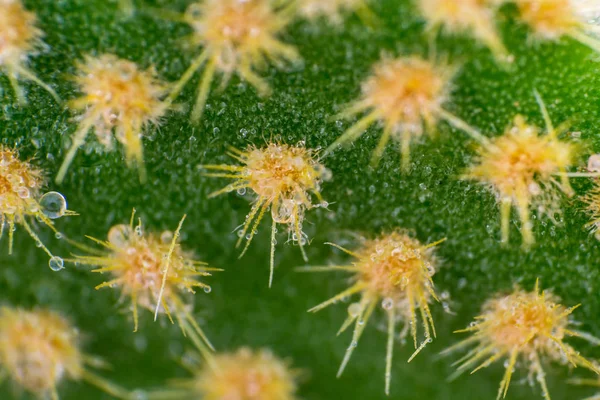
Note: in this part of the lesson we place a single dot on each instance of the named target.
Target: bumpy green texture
(241, 310)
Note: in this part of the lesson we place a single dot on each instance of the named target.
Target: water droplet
(387, 303)
(207, 289)
(53, 205)
(404, 282)
(119, 235)
(594, 163)
(534, 189)
(166, 236)
(354, 309)
(139, 395)
(23, 192)
(56, 263)
(430, 269)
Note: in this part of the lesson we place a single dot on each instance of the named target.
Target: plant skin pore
(283, 178)
(474, 17)
(237, 37)
(40, 348)
(554, 19)
(406, 95)
(526, 170)
(19, 38)
(153, 271)
(395, 271)
(117, 98)
(127, 7)
(245, 374)
(531, 326)
(22, 201)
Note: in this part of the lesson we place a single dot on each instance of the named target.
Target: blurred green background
(431, 201)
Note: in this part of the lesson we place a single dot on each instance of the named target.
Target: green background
(431, 201)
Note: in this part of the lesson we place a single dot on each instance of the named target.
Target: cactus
(307, 105)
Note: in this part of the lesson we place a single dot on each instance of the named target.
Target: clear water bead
(119, 235)
(387, 303)
(166, 236)
(594, 163)
(354, 309)
(56, 263)
(53, 205)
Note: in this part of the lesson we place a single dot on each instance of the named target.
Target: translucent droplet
(56, 263)
(207, 289)
(354, 309)
(23, 192)
(53, 205)
(166, 236)
(534, 189)
(594, 163)
(119, 235)
(139, 395)
(404, 282)
(194, 11)
(387, 303)
(430, 269)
